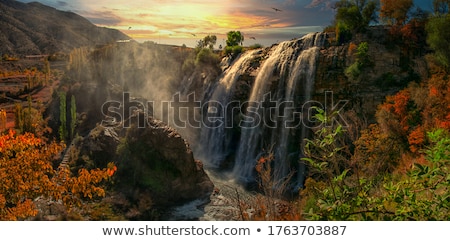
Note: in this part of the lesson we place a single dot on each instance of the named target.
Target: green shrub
(188, 66)
(362, 61)
(362, 53)
(207, 56)
(255, 46)
(439, 38)
(343, 33)
(353, 71)
(337, 192)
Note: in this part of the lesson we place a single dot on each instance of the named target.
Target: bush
(207, 56)
(353, 71)
(339, 192)
(255, 46)
(188, 66)
(343, 33)
(438, 38)
(362, 53)
(233, 50)
(362, 60)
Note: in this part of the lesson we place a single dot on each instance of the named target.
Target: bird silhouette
(277, 10)
(253, 38)
(193, 34)
(129, 28)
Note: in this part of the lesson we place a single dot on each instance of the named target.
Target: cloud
(182, 18)
(106, 18)
(62, 4)
(323, 4)
(289, 2)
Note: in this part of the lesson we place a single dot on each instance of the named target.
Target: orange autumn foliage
(27, 173)
(408, 115)
(436, 113)
(352, 48)
(3, 120)
(433, 92)
(377, 151)
(444, 124)
(397, 107)
(416, 139)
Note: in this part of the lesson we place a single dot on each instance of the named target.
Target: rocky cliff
(389, 71)
(361, 72)
(154, 163)
(161, 160)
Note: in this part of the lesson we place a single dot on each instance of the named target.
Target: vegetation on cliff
(394, 169)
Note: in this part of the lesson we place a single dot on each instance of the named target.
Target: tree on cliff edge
(439, 38)
(395, 12)
(234, 38)
(234, 42)
(353, 16)
(356, 14)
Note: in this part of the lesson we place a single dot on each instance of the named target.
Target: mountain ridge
(34, 28)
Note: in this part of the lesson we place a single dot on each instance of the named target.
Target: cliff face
(155, 164)
(389, 71)
(159, 159)
(285, 76)
(34, 28)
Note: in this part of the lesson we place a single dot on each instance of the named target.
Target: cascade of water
(303, 72)
(250, 142)
(215, 140)
(292, 64)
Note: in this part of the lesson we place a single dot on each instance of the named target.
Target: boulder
(155, 162)
(158, 159)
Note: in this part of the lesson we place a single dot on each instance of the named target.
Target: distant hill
(34, 28)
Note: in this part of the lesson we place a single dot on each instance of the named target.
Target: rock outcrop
(389, 71)
(154, 163)
(157, 158)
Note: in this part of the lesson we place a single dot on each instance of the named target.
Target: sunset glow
(165, 21)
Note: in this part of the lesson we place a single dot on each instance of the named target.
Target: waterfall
(250, 142)
(289, 69)
(304, 70)
(215, 139)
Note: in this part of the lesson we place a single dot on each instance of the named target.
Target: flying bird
(129, 28)
(193, 34)
(253, 38)
(277, 10)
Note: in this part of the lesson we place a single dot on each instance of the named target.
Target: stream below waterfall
(222, 205)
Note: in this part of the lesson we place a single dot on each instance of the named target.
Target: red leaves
(397, 106)
(434, 92)
(416, 110)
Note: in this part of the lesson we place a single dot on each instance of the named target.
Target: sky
(185, 22)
